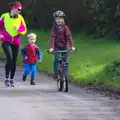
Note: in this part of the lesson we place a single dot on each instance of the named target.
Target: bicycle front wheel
(65, 82)
(60, 81)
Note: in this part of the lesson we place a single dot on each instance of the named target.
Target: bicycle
(62, 76)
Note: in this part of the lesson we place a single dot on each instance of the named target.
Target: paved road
(44, 102)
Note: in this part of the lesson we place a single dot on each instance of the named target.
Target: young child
(60, 35)
(30, 52)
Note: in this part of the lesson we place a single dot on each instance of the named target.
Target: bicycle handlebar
(61, 51)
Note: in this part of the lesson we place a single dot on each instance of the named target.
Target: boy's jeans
(30, 68)
(57, 62)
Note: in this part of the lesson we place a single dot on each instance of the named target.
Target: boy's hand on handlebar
(73, 49)
(51, 50)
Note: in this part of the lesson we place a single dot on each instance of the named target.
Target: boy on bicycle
(59, 37)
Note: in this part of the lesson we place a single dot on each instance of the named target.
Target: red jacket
(30, 53)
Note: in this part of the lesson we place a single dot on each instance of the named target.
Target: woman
(12, 25)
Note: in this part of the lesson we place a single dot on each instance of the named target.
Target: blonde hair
(32, 35)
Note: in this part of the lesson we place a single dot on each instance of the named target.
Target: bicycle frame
(62, 78)
(62, 62)
(63, 66)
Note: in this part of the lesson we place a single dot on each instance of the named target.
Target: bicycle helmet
(58, 14)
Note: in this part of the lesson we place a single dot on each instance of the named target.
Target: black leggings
(11, 52)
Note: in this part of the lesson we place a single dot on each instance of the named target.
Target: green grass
(86, 66)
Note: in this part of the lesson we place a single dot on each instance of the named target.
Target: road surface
(44, 102)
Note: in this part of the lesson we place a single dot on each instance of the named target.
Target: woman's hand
(1, 37)
(16, 28)
(26, 57)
